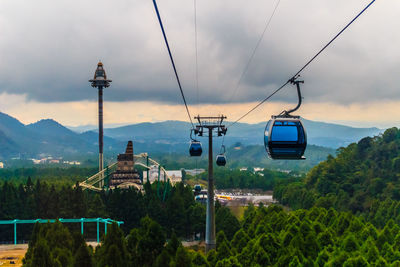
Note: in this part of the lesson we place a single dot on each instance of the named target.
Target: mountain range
(48, 137)
(177, 132)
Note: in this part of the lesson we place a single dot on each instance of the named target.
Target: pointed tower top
(100, 77)
(129, 148)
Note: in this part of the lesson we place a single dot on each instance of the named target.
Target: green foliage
(268, 236)
(362, 178)
(199, 260)
(316, 237)
(225, 221)
(83, 258)
(265, 180)
(53, 245)
(113, 251)
(44, 200)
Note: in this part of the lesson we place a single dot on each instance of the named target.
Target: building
(195, 172)
(176, 176)
(125, 176)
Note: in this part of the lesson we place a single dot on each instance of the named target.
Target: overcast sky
(49, 49)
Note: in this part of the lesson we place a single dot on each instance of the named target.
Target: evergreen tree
(82, 257)
(182, 258)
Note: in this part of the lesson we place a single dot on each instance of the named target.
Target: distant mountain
(110, 144)
(48, 137)
(177, 133)
(82, 128)
(336, 135)
(56, 139)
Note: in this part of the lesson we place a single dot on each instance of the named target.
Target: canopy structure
(81, 221)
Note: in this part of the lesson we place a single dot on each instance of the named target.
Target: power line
(306, 65)
(172, 61)
(254, 51)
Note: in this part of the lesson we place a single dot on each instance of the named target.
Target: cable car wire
(254, 51)
(305, 66)
(195, 45)
(197, 66)
(172, 61)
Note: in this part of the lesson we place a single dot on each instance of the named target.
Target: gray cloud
(49, 49)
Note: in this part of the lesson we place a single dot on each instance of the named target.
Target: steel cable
(306, 65)
(172, 61)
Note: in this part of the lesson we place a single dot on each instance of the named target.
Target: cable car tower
(100, 81)
(213, 125)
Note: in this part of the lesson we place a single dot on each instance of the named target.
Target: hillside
(164, 139)
(177, 132)
(362, 178)
(47, 137)
(239, 156)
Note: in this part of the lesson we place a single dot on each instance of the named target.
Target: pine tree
(82, 257)
(199, 260)
(182, 258)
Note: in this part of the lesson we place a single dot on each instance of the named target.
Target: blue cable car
(285, 138)
(195, 148)
(221, 159)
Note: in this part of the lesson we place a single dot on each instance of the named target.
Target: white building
(195, 172)
(175, 175)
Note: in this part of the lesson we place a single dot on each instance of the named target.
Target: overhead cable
(172, 61)
(254, 50)
(306, 65)
(195, 45)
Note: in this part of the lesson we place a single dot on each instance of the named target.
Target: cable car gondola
(195, 148)
(285, 136)
(221, 159)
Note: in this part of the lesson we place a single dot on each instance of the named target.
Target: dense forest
(178, 212)
(56, 176)
(240, 155)
(344, 212)
(45, 200)
(363, 178)
(245, 179)
(266, 237)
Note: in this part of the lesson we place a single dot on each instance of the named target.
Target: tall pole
(100, 81)
(210, 217)
(101, 167)
(210, 123)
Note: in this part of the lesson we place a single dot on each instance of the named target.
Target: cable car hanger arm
(297, 83)
(306, 65)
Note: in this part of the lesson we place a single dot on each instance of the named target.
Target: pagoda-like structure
(126, 176)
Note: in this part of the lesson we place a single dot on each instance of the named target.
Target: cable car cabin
(221, 160)
(195, 149)
(285, 138)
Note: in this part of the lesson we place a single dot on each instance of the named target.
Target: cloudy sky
(49, 49)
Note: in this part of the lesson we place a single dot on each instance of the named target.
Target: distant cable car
(285, 136)
(195, 148)
(221, 159)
